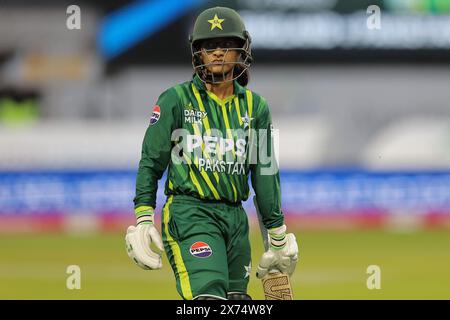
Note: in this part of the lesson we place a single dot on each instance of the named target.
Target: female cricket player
(210, 132)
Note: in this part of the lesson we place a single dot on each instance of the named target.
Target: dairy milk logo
(194, 116)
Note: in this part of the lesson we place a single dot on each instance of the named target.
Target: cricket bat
(276, 285)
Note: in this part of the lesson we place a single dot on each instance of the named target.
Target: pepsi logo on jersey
(155, 115)
(200, 249)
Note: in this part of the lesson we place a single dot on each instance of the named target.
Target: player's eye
(223, 44)
(230, 44)
(210, 45)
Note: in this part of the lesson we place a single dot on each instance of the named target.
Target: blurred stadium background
(364, 119)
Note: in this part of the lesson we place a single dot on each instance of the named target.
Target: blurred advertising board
(321, 195)
(283, 31)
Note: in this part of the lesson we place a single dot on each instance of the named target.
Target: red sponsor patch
(156, 114)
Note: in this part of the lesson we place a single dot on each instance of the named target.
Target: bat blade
(276, 285)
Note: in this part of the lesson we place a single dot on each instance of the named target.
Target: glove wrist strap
(278, 237)
(144, 215)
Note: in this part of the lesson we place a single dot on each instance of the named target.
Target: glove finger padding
(284, 260)
(138, 241)
(267, 262)
(291, 245)
(156, 238)
(292, 252)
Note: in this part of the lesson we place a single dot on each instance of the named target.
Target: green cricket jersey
(210, 147)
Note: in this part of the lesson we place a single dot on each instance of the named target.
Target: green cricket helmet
(215, 23)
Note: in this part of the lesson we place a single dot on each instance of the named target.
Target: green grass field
(332, 266)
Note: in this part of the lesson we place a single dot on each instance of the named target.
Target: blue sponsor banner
(66, 192)
(350, 190)
(113, 191)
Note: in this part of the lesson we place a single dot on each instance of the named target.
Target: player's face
(218, 55)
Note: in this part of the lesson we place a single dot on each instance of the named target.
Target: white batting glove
(282, 254)
(140, 237)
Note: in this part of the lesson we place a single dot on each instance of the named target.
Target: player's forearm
(151, 169)
(265, 174)
(267, 190)
(155, 158)
(146, 187)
